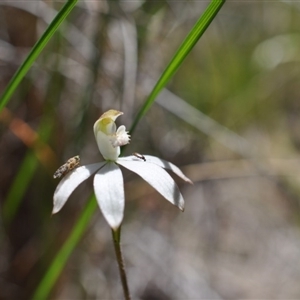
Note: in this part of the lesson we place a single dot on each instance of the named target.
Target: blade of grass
(182, 52)
(26, 171)
(38, 151)
(60, 260)
(62, 256)
(36, 50)
(19, 186)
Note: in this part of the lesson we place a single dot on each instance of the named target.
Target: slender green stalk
(182, 52)
(36, 50)
(25, 174)
(48, 281)
(19, 186)
(117, 244)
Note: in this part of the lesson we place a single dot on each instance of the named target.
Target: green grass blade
(182, 52)
(19, 186)
(36, 50)
(48, 281)
(25, 174)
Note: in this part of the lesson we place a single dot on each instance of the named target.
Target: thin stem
(35, 51)
(117, 243)
(54, 270)
(180, 55)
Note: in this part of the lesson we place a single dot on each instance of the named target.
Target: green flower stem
(117, 243)
(36, 50)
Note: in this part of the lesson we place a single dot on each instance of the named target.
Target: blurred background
(230, 118)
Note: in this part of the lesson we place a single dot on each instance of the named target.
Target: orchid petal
(161, 163)
(70, 182)
(121, 137)
(158, 178)
(109, 191)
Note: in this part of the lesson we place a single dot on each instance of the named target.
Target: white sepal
(161, 163)
(158, 178)
(70, 182)
(167, 165)
(109, 191)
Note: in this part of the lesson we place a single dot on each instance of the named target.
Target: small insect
(70, 164)
(140, 156)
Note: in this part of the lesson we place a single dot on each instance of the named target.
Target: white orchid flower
(108, 179)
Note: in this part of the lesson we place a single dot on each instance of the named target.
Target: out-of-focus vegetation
(230, 119)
